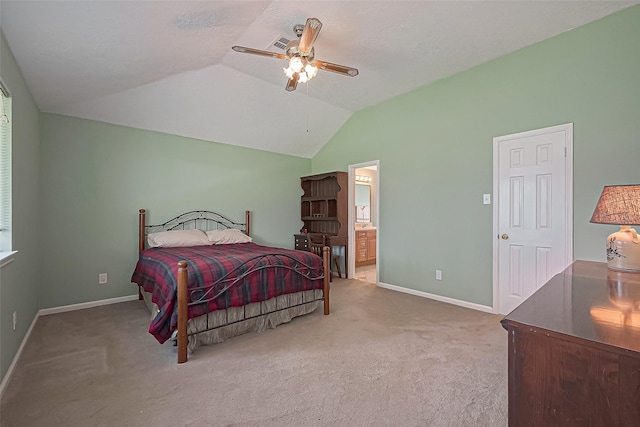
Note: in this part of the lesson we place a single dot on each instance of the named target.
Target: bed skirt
(217, 326)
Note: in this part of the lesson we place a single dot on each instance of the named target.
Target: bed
(206, 290)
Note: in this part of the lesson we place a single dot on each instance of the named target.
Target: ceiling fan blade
(292, 83)
(309, 35)
(252, 51)
(336, 68)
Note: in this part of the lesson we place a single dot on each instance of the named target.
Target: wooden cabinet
(324, 208)
(371, 246)
(365, 247)
(574, 350)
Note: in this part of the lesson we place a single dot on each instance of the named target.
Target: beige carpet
(382, 358)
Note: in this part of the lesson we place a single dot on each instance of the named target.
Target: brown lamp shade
(619, 205)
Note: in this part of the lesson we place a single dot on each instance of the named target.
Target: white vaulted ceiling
(168, 65)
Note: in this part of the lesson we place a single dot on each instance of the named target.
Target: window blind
(5, 169)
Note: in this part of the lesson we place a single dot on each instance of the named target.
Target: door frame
(351, 268)
(568, 238)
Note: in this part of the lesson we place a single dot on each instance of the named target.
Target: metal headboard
(201, 220)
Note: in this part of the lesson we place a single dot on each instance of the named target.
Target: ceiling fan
(301, 56)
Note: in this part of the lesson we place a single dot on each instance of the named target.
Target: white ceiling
(168, 65)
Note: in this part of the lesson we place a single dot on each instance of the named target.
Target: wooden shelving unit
(323, 206)
(324, 210)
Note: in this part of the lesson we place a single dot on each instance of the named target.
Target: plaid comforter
(157, 272)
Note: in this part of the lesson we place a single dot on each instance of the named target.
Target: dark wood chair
(317, 249)
(336, 259)
(317, 242)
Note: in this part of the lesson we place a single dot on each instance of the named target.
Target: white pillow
(178, 238)
(231, 235)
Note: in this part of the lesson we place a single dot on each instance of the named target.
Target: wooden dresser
(365, 247)
(574, 350)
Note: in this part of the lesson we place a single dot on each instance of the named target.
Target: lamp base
(623, 250)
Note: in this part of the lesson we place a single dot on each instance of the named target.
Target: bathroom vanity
(365, 246)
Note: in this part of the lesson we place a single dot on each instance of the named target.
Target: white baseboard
(466, 304)
(83, 305)
(14, 362)
(54, 310)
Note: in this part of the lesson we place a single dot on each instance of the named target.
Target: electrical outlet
(15, 320)
(102, 278)
(438, 274)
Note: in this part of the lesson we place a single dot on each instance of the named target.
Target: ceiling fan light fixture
(296, 64)
(302, 67)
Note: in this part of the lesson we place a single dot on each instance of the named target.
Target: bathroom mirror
(363, 203)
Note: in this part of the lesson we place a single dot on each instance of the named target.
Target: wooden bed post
(326, 257)
(142, 221)
(247, 220)
(182, 312)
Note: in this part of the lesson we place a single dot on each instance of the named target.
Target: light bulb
(303, 77)
(311, 71)
(288, 72)
(295, 64)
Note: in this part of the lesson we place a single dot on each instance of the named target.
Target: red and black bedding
(222, 276)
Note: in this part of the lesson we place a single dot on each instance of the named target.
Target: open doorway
(364, 196)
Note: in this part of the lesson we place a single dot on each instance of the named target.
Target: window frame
(6, 243)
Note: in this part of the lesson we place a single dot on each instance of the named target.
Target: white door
(533, 211)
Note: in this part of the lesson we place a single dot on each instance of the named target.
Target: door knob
(505, 236)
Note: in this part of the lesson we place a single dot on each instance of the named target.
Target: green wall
(18, 279)
(95, 177)
(435, 150)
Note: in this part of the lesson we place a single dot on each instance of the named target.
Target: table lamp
(620, 205)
